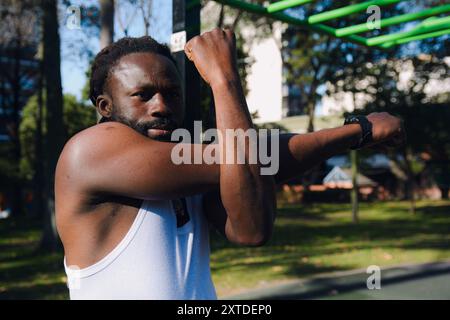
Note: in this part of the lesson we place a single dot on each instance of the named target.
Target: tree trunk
(106, 22)
(39, 174)
(55, 136)
(444, 192)
(411, 184)
(311, 104)
(17, 190)
(311, 110)
(354, 192)
(106, 26)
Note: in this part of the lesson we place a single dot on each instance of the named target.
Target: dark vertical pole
(354, 192)
(56, 130)
(186, 18)
(39, 167)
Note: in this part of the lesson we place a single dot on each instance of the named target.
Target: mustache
(160, 123)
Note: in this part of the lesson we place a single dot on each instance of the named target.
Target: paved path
(422, 281)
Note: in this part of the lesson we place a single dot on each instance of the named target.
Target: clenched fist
(214, 55)
(387, 130)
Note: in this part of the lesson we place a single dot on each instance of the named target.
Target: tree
(106, 26)
(19, 38)
(221, 16)
(56, 133)
(146, 9)
(386, 86)
(125, 16)
(77, 116)
(106, 22)
(311, 59)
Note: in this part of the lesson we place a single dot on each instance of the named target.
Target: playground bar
(286, 4)
(432, 26)
(363, 27)
(418, 37)
(428, 25)
(257, 9)
(345, 11)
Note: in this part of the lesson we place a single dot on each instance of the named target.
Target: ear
(104, 105)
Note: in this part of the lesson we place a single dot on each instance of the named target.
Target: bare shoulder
(88, 149)
(96, 142)
(101, 136)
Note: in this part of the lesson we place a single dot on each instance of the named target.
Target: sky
(74, 64)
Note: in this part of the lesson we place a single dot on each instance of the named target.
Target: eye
(143, 95)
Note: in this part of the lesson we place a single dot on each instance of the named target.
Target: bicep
(131, 165)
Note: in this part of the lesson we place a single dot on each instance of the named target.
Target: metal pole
(186, 25)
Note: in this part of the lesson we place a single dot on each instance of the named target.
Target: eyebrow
(164, 86)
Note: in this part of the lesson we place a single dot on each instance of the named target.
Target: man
(133, 224)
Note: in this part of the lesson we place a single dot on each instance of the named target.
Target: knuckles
(214, 35)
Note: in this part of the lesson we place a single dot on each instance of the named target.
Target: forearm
(300, 152)
(247, 196)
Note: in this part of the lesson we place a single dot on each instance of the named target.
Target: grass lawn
(307, 240)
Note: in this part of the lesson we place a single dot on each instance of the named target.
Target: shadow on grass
(36, 292)
(23, 267)
(300, 235)
(297, 237)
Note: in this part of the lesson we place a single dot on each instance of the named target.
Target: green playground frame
(430, 26)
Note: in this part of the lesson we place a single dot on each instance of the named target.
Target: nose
(158, 107)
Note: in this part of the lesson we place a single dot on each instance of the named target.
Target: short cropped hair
(106, 59)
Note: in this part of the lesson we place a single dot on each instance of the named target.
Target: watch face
(352, 120)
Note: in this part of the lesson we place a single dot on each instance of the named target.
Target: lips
(160, 132)
(159, 129)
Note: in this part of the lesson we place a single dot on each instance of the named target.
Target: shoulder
(97, 142)
(88, 149)
(100, 136)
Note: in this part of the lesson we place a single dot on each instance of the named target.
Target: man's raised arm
(247, 196)
(300, 152)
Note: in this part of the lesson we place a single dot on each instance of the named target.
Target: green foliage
(77, 116)
(399, 86)
(86, 87)
(217, 15)
(426, 117)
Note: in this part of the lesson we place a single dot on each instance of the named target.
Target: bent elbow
(251, 240)
(255, 232)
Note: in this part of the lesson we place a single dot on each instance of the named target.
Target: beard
(144, 127)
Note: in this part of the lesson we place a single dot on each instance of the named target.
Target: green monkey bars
(430, 26)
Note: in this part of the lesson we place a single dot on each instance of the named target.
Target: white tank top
(155, 260)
